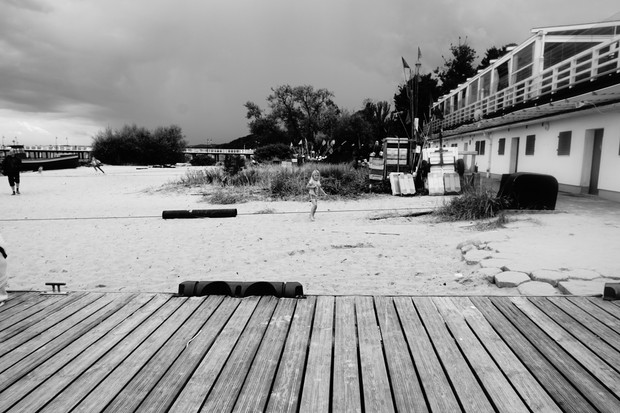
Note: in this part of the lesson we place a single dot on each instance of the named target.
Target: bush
(133, 145)
(472, 205)
(273, 151)
(202, 160)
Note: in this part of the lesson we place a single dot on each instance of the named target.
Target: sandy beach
(101, 232)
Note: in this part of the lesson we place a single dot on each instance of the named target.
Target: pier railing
(581, 70)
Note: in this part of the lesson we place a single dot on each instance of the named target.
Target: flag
(419, 54)
(405, 65)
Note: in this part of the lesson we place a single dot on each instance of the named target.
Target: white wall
(567, 169)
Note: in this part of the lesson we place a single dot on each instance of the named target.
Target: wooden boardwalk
(91, 352)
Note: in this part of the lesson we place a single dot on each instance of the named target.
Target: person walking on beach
(315, 190)
(3, 276)
(10, 167)
(96, 164)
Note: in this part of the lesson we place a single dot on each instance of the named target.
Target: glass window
(530, 143)
(558, 52)
(564, 143)
(473, 91)
(480, 146)
(501, 147)
(485, 89)
(522, 63)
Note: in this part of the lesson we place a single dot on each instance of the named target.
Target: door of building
(597, 150)
(514, 155)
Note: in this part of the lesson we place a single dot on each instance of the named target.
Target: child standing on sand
(315, 190)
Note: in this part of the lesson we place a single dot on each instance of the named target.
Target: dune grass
(277, 182)
(472, 205)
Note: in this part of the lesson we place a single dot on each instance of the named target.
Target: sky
(71, 68)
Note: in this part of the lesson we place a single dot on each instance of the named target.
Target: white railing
(587, 66)
(220, 151)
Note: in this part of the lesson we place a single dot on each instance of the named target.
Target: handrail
(600, 60)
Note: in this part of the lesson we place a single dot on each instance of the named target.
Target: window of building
(501, 146)
(530, 143)
(480, 147)
(564, 143)
(522, 63)
(473, 91)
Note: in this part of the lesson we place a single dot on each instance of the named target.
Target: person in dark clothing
(10, 167)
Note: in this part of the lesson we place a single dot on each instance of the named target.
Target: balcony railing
(585, 67)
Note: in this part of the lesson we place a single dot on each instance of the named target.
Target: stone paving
(496, 267)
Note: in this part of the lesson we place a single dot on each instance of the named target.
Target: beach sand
(99, 232)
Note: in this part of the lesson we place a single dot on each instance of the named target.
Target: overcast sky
(69, 68)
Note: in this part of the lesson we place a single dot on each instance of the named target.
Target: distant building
(551, 105)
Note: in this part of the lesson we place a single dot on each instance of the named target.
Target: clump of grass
(225, 198)
(500, 221)
(341, 180)
(472, 205)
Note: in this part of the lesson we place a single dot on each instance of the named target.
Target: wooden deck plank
(151, 319)
(228, 386)
(285, 395)
(596, 311)
(469, 391)
(499, 389)
(18, 302)
(202, 380)
(53, 338)
(560, 389)
(346, 395)
(408, 395)
(81, 348)
(255, 392)
(592, 323)
(38, 355)
(315, 395)
(612, 307)
(590, 361)
(530, 390)
(591, 340)
(128, 369)
(30, 312)
(110, 352)
(582, 380)
(167, 389)
(132, 394)
(376, 389)
(437, 388)
(48, 326)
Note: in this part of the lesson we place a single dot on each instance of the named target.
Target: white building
(550, 105)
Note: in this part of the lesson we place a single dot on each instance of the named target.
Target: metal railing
(587, 66)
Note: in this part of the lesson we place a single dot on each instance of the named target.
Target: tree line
(306, 121)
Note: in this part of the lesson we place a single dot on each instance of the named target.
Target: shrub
(472, 205)
(202, 160)
(133, 145)
(273, 151)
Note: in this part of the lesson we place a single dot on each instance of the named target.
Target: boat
(60, 162)
(64, 161)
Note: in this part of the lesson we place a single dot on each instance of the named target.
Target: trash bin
(525, 190)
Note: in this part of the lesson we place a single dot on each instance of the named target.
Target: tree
(427, 92)
(273, 151)
(299, 112)
(138, 146)
(458, 69)
(493, 53)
